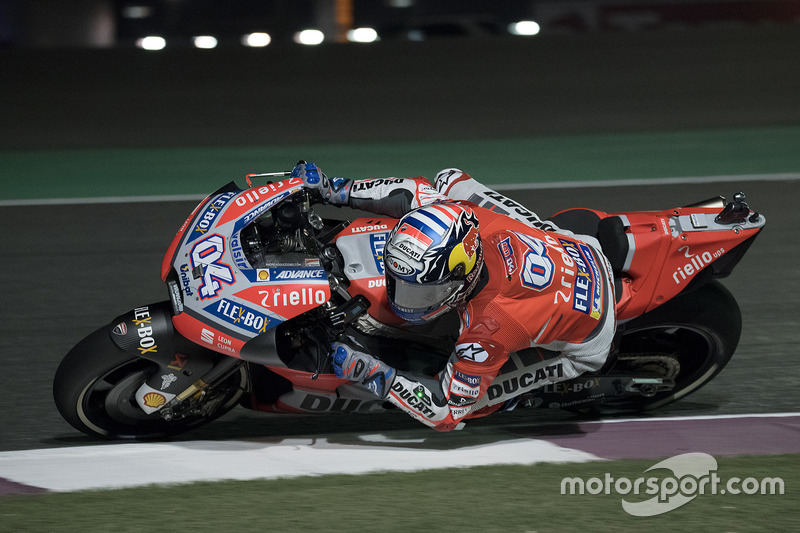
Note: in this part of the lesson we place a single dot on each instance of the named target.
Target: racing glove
(333, 190)
(371, 373)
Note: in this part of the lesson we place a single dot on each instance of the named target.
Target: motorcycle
(260, 285)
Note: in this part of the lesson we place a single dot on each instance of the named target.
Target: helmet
(433, 259)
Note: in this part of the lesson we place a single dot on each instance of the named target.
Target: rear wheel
(94, 389)
(700, 330)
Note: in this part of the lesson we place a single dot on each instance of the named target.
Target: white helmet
(433, 261)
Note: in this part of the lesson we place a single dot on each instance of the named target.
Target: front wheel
(95, 385)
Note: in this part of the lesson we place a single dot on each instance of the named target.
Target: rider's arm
(439, 403)
(392, 197)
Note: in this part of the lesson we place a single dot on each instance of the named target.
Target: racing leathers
(546, 294)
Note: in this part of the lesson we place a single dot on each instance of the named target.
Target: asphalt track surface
(69, 269)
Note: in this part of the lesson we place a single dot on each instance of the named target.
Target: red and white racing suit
(549, 291)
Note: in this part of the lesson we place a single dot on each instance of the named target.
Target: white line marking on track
(698, 417)
(647, 181)
(500, 187)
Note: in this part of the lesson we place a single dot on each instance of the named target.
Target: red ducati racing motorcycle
(260, 286)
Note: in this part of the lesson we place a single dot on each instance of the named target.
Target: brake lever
(339, 318)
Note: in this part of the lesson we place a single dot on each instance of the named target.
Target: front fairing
(223, 292)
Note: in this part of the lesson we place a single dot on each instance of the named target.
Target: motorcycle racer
(516, 282)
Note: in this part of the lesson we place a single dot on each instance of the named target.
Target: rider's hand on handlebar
(333, 190)
(375, 375)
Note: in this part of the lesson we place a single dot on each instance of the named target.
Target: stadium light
(256, 40)
(524, 27)
(205, 42)
(152, 42)
(362, 35)
(309, 37)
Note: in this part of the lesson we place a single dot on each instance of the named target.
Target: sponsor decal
(206, 255)
(319, 403)
(377, 242)
(584, 278)
(518, 384)
(411, 251)
(418, 399)
(465, 385)
(237, 253)
(376, 282)
(144, 329)
(596, 310)
(286, 273)
(399, 266)
(369, 228)
(537, 267)
(471, 352)
(256, 195)
(175, 296)
(258, 211)
(245, 200)
(507, 252)
(294, 298)
(581, 282)
(185, 281)
(220, 342)
(312, 273)
(570, 387)
(206, 219)
(167, 380)
(464, 389)
(366, 185)
(154, 399)
(459, 412)
(515, 209)
(695, 264)
(239, 315)
(178, 363)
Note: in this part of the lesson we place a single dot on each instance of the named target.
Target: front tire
(94, 390)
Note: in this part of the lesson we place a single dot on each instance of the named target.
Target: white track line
(654, 181)
(500, 187)
(685, 418)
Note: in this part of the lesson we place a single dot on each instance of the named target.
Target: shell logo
(154, 399)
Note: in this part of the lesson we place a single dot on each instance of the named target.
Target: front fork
(184, 371)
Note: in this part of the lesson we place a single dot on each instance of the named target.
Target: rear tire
(94, 390)
(700, 328)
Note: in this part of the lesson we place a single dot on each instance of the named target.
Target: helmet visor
(417, 297)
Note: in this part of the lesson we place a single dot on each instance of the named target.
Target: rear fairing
(673, 250)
